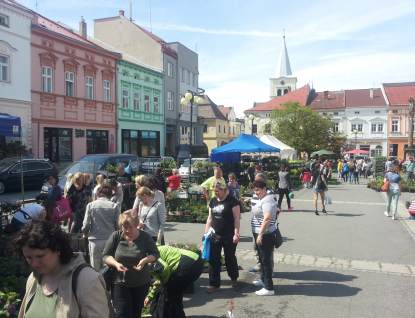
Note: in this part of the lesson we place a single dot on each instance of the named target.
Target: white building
(15, 81)
(367, 113)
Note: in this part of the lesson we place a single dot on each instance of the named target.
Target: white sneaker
(264, 292)
(393, 217)
(258, 283)
(386, 213)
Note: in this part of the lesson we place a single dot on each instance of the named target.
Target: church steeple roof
(284, 67)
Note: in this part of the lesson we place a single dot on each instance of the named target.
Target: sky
(332, 45)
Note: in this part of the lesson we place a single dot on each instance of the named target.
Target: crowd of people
(133, 241)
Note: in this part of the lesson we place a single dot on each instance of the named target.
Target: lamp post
(355, 133)
(192, 97)
(252, 118)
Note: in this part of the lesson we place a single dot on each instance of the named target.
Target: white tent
(286, 151)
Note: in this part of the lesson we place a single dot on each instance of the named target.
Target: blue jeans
(351, 173)
(395, 193)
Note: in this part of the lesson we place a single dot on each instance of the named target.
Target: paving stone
(412, 269)
(395, 268)
(323, 261)
(361, 265)
(278, 257)
(292, 259)
(344, 262)
(307, 260)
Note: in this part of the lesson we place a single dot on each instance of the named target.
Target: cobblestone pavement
(17, 195)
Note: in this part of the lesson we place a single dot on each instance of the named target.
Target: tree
(304, 129)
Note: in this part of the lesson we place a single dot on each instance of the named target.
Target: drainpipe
(116, 106)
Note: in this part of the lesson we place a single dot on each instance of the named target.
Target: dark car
(35, 173)
(97, 164)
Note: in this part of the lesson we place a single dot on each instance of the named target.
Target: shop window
(96, 141)
(57, 144)
(149, 143)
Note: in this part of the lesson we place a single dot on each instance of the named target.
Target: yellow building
(215, 125)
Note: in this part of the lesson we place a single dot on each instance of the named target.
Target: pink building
(73, 93)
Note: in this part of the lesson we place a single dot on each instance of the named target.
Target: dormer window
(4, 20)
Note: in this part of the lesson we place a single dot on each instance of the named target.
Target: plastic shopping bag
(206, 249)
(327, 198)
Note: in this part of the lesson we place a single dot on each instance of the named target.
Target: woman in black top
(79, 195)
(160, 178)
(224, 219)
(316, 174)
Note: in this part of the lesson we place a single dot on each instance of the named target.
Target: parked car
(184, 169)
(35, 173)
(96, 164)
(151, 164)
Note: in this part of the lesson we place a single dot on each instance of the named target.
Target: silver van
(184, 168)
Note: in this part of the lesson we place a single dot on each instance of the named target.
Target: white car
(151, 164)
(184, 169)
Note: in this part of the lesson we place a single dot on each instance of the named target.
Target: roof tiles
(326, 100)
(210, 110)
(399, 93)
(361, 97)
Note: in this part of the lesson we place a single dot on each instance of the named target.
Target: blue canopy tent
(11, 126)
(231, 153)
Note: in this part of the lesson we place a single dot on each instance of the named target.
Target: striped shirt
(255, 199)
(266, 204)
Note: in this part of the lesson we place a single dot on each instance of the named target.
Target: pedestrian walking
(101, 220)
(388, 164)
(339, 169)
(319, 186)
(126, 180)
(306, 176)
(251, 174)
(100, 182)
(345, 171)
(207, 186)
(79, 195)
(161, 179)
(174, 180)
(285, 186)
(117, 192)
(264, 216)
(356, 172)
(224, 219)
(351, 171)
(409, 171)
(395, 188)
(140, 181)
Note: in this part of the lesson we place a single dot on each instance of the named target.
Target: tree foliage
(304, 129)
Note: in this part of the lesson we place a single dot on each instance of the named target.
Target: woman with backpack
(345, 170)
(319, 186)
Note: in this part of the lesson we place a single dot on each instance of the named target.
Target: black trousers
(356, 176)
(281, 196)
(230, 259)
(188, 271)
(265, 253)
(129, 301)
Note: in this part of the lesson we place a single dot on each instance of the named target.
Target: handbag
(62, 210)
(109, 273)
(385, 187)
(160, 306)
(320, 184)
(215, 238)
(277, 237)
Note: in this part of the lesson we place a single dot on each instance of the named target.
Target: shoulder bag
(320, 183)
(277, 237)
(385, 187)
(108, 272)
(62, 210)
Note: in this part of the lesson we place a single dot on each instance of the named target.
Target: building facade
(15, 85)
(215, 125)
(234, 125)
(397, 97)
(73, 93)
(141, 110)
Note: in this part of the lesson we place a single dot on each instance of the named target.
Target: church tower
(283, 82)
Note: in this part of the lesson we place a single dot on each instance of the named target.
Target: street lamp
(252, 118)
(192, 97)
(355, 133)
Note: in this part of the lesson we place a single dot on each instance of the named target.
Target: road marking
(335, 263)
(345, 202)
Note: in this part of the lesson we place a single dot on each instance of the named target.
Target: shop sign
(79, 133)
(144, 134)
(153, 134)
(133, 133)
(169, 130)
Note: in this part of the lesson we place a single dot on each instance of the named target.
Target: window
(373, 127)
(394, 126)
(169, 70)
(233, 130)
(267, 128)
(279, 92)
(193, 79)
(96, 141)
(107, 91)
(183, 74)
(224, 129)
(89, 87)
(185, 135)
(47, 79)
(125, 99)
(4, 68)
(394, 111)
(156, 104)
(380, 128)
(377, 111)
(147, 79)
(360, 127)
(156, 81)
(136, 77)
(336, 127)
(336, 113)
(219, 129)
(378, 151)
(254, 128)
(357, 113)
(147, 103)
(353, 127)
(170, 100)
(187, 77)
(4, 20)
(205, 128)
(70, 84)
(136, 101)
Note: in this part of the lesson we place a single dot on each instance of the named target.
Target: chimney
(121, 12)
(131, 11)
(371, 93)
(82, 28)
(326, 94)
